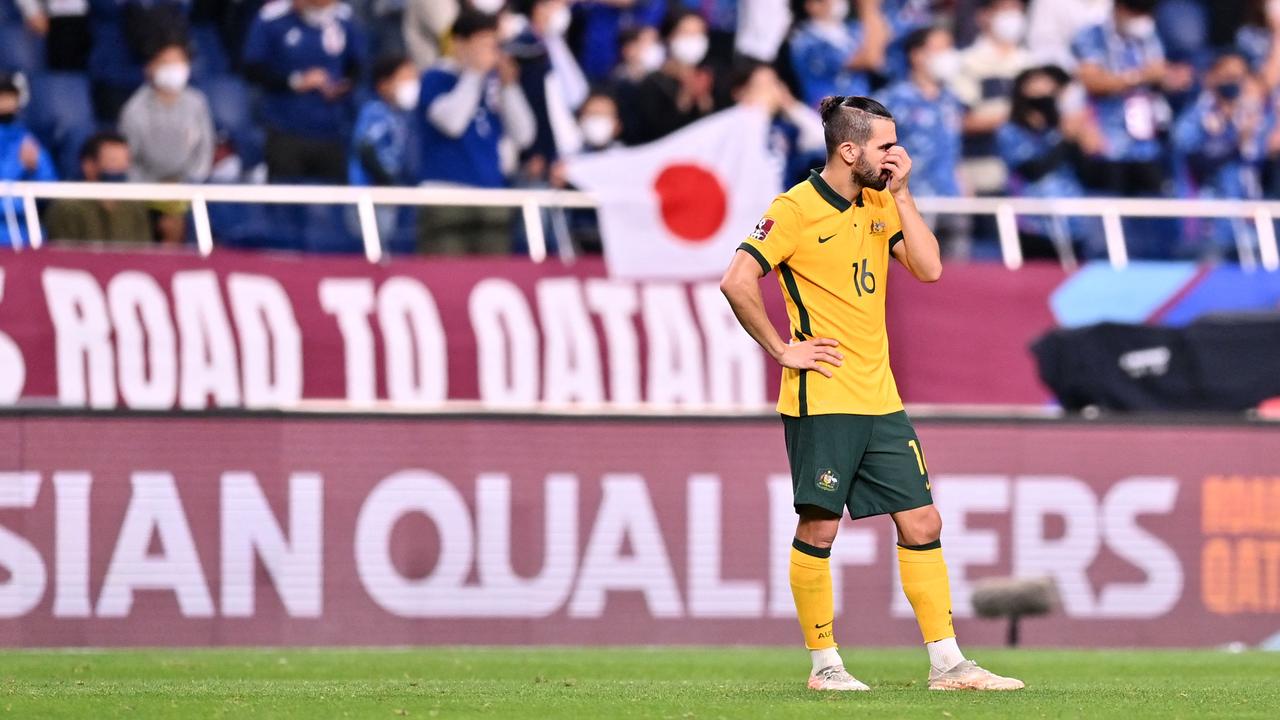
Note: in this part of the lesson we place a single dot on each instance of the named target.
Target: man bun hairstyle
(848, 118)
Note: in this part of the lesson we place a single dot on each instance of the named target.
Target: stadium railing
(1254, 248)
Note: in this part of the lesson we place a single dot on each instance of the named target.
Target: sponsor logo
(762, 229)
(828, 481)
(819, 627)
(824, 239)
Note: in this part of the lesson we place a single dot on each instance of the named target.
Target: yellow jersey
(832, 258)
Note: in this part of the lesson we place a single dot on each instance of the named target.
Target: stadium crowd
(1046, 98)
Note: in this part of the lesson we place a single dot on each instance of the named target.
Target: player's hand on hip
(809, 354)
(898, 163)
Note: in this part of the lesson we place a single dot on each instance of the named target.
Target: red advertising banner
(160, 331)
(288, 530)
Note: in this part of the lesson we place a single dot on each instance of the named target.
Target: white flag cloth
(679, 206)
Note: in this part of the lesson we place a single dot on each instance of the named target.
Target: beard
(867, 176)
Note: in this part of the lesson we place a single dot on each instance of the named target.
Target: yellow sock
(811, 588)
(924, 581)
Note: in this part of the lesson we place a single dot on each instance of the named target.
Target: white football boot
(969, 676)
(835, 677)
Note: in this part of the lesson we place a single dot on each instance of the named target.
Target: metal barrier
(530, 202)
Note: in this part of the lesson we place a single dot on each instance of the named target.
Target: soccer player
(849, 441)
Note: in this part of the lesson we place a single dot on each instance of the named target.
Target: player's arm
(918, 249)
(741, 286)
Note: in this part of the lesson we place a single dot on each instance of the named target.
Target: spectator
(21, 159)
(124, 33)
(168, 123)
(796, 135)
(551, 81)
(103, 158)
(468, 103)
(1256, 40)
(1052, 27)
(1122, 66)
(985, 84)
(426, 23)
(682, 90)
(642, 53)
(1220, 141)
(831, 55)
(905, 18)
(380, 143)
(170, 134)
(1041, 147)
(64, 25)
(306, 54)
(599, 122)
(930, 118)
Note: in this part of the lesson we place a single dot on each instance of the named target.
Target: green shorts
(871, 464)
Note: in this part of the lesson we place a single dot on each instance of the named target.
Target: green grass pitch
(694, 683)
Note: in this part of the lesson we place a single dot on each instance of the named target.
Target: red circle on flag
(692, 202)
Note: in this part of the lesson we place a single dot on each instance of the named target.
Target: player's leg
(893, 479)
(817, 467)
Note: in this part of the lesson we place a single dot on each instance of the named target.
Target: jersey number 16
(863, 280)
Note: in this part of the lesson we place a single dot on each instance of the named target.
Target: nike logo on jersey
(824, 239)
(819, 627)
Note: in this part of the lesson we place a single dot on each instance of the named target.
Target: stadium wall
(244, 529)
(156, 331)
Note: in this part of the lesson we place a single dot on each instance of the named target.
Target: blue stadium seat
(20, 50)
(230, 101)
(61, 115)
(209, 58)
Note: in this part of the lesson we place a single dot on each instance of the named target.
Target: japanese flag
(678, 207)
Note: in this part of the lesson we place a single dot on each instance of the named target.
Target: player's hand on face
(898, 163)
(809, 354)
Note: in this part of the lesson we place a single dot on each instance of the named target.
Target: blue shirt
(601, 26)
(12, 135)
(1208, 143)
(1017, 145)
(905, 17)
(280, 43)
(1128, 120)
(818, 57)
(385, 130)
(471, 159)
(930, 129)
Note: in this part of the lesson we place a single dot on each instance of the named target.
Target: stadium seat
(20, 50)
(209, 58)
(61, 116)
(230, 101)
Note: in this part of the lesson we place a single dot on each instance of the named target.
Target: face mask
(1009, 26)
(8, 118)
(1229, 91)
(172, 76)
(320, 16)
(488, 7)
(112, 177)
(407, 95)
(1047, 107)
(559, 22)
(1140, 27)
(839, 10)
(652, 57)
(944, 65)
(689, 49)
(510, 25)
(598, 130)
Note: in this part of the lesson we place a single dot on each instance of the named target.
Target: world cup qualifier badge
(828, 481)
(762, 229)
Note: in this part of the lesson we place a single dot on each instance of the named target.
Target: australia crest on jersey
(827, 480)
(877, 227)
(762, 229)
